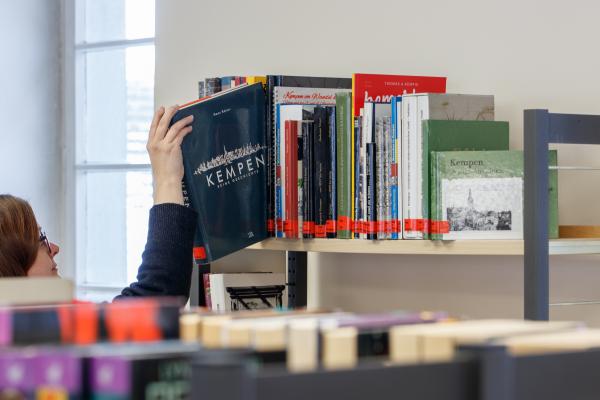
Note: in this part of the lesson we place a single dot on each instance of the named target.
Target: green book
(344, 130)
(455, 135)
(479, 195)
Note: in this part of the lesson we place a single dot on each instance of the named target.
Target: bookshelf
(427, 247)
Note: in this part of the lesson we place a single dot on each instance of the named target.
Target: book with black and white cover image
(477, 194)
(225, 167)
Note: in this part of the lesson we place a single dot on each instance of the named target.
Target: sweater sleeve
(166, 267)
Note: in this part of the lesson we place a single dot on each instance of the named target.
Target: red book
(380, 88)
(291, 179)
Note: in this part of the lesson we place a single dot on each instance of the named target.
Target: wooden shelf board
(458, 247)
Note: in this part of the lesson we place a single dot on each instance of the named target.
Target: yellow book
(255, 79)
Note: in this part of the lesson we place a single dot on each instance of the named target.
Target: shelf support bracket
(535, 218)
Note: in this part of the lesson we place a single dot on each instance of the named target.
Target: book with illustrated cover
(298, 97)
(415, 109)
(479, 194)
(457, 135)
(225, 163)
(378, 88)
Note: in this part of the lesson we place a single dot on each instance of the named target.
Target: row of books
(323, 157)
(105, 371)
(309, 341)
(299, 341)
(82, 323)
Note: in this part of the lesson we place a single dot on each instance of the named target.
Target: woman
(167, 259)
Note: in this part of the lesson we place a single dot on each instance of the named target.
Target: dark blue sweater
(166, 268)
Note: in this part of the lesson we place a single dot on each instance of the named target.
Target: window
(113, 107)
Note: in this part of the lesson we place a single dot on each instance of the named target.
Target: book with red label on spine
(291, 179)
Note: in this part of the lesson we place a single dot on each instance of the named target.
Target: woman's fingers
(157, 115)
(177, 127)
(182, 134)
(165, 120)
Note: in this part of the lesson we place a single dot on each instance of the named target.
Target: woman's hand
(164, 148)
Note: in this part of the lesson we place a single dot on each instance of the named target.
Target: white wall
(528, 54)
(30, 141)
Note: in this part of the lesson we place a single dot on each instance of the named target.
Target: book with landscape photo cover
(224, 160)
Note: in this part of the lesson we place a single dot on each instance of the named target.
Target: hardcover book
(479, 194)
(345, 143)
(415, 109)
(377, 88)
(225, 163)
(456, 135)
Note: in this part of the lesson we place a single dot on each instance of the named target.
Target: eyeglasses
(44, 239)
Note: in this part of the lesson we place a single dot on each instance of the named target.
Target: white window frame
(73, 96)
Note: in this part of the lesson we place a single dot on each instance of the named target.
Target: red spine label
(271, 225)
(199, 253)
(344, 223)
(371, 227)
(330, 226)
(418, 225)
(440, 227)
(320, 231)
(308, 228)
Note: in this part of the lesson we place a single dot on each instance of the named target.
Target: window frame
(73, 113)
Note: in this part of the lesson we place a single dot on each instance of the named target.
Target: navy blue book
(225, 163)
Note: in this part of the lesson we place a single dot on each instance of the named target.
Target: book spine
(331, 224)
(409, 167)
(291, 179)
(434, 200)
(367, 137)
(357, 218)
(200, 251)
(270, 157)
(320, 151)
(308, 222)
(299, 180)
(394, 170)
(371, 211)
(423, 168)
(388, 180)
(380, 178)
(278, 178)
(206, 284)
(344, 167)
(212, 86)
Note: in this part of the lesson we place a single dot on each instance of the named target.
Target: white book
(30, 291)
(243, 291)
(439, 106)
(409, 121)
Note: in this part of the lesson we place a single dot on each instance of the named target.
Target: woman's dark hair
(19, 236)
